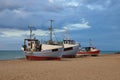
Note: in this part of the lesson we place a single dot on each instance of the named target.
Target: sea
(11, 54)
(17, 54)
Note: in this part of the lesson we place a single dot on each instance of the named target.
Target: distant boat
(90, 50)
(70, 47)
(34, 50)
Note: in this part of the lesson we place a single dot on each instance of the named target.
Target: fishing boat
(35, 50)
(90, 50)
(70, 47)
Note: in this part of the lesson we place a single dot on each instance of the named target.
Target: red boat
(89, 51)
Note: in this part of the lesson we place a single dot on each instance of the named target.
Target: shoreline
(77, 56)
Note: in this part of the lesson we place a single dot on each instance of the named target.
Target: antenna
(55, 37)
(90, 42)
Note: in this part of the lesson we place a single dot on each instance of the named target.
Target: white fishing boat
(70, 47)
(34, 50)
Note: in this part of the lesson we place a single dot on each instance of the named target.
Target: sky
(98, 20)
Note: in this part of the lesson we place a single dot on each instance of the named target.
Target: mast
(50, 41)
(67, 37)
(30, 31)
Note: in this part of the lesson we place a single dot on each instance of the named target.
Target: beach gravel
(103, 67)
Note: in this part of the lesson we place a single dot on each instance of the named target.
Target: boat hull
(43, 55)
(71, 53)
(42, 58)
(89, 52)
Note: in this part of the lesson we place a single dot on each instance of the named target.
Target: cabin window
(70, 48)
(29, 44)
(87, 48)
(53, 50)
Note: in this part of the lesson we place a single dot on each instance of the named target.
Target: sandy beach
(103, 67)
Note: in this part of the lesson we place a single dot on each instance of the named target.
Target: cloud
(95, 7)
(21, 13)
(9, 4)
(98, 5)
(65, 3)
(7, 32)
(20, 33)
(51, 1)
(72, 4)
(58, 30)
(78, 26)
